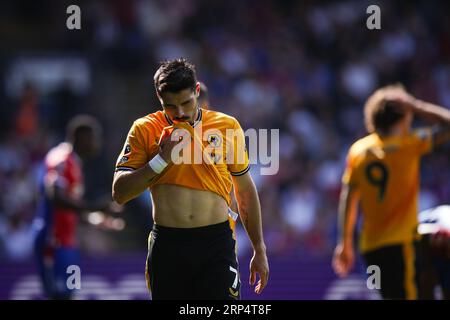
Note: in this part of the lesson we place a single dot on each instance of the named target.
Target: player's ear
(158, 95)
(197, 89)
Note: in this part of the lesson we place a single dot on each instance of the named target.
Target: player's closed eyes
(186, 103)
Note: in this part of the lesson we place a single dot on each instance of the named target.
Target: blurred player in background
(191, 248)
(435, 230)
(61, 203)
(382, 174)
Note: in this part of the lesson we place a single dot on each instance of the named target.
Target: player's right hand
(343, 260)
(169, 139)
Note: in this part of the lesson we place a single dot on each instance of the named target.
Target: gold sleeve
(237, 160)
(135, 152)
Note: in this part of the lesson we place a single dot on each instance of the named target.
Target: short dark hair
(80, 124)
(380, 115)
(175, 75)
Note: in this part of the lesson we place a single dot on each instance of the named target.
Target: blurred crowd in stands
(297, 66)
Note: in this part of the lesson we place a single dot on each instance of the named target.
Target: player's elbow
(119, 198)
(118, 193)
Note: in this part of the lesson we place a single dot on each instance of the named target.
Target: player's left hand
(259, 265)
(343, 260)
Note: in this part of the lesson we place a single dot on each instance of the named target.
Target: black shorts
(399, 267)
(193, 263)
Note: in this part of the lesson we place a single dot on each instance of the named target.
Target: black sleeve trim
(125, 169)
(240, 173)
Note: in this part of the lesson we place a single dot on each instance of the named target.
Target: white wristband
(157, 164)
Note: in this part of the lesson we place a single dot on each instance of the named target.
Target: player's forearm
(346, 217)
(345, 229)
(427, 109)
(250, 213)
(127, 185)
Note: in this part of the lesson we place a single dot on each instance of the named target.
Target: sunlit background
(297, 66)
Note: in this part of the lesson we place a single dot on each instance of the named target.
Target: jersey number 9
(377, 174)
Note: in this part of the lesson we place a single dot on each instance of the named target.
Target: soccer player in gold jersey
(191, 248)
(382, 176)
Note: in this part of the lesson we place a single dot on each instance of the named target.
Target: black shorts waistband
(204, 231)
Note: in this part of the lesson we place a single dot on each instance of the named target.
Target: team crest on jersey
(214, 140)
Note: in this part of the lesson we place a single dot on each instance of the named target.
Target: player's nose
(179, 113)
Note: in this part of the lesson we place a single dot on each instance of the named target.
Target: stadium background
(299, 66)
